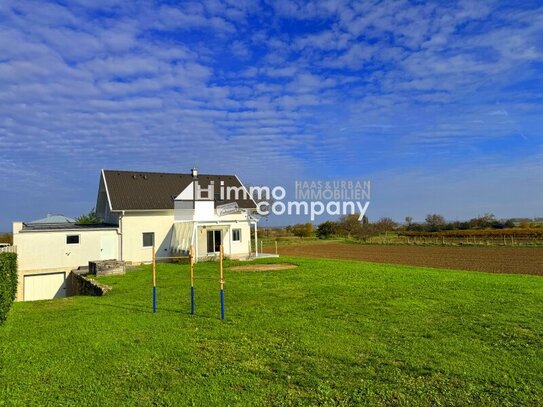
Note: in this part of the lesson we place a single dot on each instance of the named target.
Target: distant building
(54, 219)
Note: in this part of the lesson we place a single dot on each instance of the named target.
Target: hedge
(8, 283)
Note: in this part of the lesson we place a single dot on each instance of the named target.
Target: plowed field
(487, 259)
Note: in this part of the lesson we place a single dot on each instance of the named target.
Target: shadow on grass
(141, 309)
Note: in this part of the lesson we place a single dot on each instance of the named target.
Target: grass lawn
(329, 332)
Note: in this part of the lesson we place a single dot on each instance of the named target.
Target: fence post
(154, 280)
(276, 247)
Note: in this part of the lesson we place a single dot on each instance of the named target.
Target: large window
(236, 235)
(148, 239)
(72, 239)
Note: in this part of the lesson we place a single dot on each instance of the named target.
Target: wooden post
(191, 254)
(154, 280)
(222, 282)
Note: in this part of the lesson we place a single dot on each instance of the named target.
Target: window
(72, 239)
(148, 239)
(236, 235)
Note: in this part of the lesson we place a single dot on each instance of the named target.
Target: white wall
(47, 251)
(134, 224)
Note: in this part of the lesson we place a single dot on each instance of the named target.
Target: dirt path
(489, 259)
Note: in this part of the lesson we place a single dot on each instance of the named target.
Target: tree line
(349, 226)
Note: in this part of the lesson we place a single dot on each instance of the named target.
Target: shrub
(8, 283)
(327, 229)
(90, 218)
(302, 230)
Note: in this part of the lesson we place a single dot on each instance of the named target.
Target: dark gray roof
(65, 226)
(133, 190)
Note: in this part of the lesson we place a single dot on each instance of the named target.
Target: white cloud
(147, 86)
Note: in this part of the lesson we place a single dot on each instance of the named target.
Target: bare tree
(435, 222)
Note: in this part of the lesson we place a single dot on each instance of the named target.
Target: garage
(44, 286)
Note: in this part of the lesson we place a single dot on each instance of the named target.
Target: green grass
(326, 333)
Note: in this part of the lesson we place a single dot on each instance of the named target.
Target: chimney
(194, 173)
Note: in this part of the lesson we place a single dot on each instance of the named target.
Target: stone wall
(106, 267)
(81, 285)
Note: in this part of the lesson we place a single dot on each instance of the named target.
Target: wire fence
(477, 240)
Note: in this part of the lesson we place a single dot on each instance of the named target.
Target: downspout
(121, 216)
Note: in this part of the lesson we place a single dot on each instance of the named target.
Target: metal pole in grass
(154, 280)
(222, 283)
(191, 280)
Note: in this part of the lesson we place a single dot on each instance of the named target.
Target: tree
(302, 230)
(349, 225)
(408, 220)
(385, 225)
(327, 229)
(435, 222)
(482, 222)
(509, 223)
(90, 218)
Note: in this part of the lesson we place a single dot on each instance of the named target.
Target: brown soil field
(487, 259)
(264, 267)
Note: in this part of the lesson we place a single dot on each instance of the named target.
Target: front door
(214, 240)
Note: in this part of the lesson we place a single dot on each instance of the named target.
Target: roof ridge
(168, 173)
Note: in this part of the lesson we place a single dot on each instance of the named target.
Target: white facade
(134, 224)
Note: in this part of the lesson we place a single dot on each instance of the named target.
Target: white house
(139, 210)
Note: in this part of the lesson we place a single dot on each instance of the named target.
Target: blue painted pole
(154, 299)
(221, 282)
(192, 300)
(154, 280)
(222, 304)
(191, 261)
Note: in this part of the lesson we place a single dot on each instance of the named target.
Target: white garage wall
(47, 251)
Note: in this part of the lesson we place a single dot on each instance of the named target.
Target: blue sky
(439, 104)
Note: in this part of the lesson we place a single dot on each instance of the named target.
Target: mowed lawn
(330, 332)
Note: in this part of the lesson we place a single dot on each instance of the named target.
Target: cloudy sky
(439, 104)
